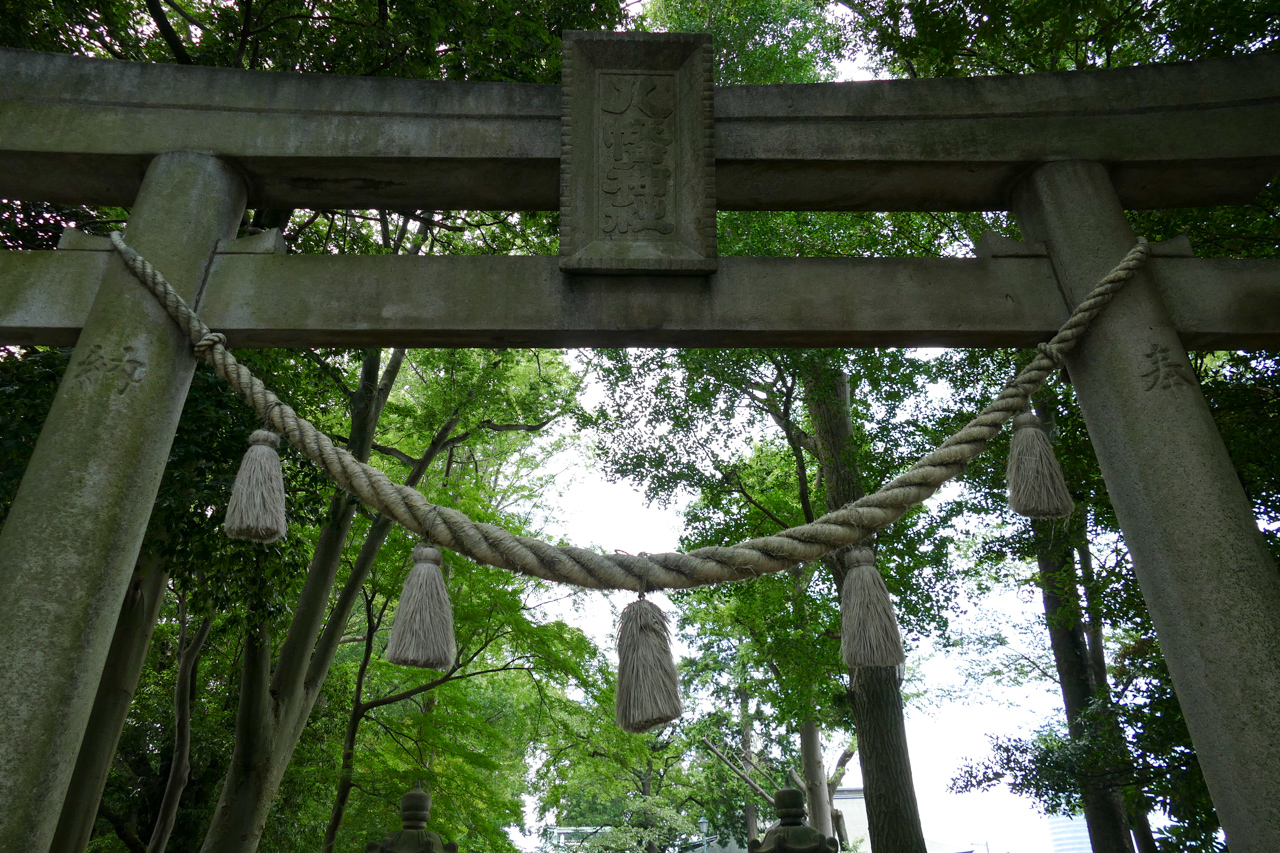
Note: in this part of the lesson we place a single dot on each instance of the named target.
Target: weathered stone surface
(1206, 574)
(962, 143)
(82, 130)
(637, 170)
(72, 535)
(322, 300)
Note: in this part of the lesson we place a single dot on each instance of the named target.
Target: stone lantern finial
(415, 808)
(792, 834)
(413, 836)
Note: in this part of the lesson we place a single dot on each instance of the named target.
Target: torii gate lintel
(1066, 151)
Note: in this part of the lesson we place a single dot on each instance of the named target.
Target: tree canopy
(275, 652)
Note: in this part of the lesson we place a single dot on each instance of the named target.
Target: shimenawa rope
(486, 543)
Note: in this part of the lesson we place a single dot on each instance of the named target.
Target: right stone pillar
(1209, 581)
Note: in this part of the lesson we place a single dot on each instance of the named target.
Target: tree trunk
(646, 791)
(892, 812)
(893, 818)
(833, 785)
(748, 761)
(180, 766)
(1104, 810)
(273, 709)
(124, 829)
(358, 710)
(1093, 625)
(815, 778)
(120, 677)
(345, 776)
(1143, 838)
(837, 820)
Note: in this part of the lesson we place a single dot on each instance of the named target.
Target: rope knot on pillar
(208, 341)
(1051, 352)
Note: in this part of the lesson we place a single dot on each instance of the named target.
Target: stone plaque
(637, 169)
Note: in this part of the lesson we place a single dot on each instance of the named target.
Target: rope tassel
(488, 544)
(648, 688)
(1036, 486)
(422, 634)
(868, 629)
(256, 509)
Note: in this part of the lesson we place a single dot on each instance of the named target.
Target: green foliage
(940, 38)
(28, 378)
(456, 40)
(758, 41)
(642, 789)
(34, 225)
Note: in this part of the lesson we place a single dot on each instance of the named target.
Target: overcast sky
(941, 733)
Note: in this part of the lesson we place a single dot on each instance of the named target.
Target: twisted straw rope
(486, 543)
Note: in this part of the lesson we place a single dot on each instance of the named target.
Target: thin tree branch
(187, 16)
(123, 832)
(176, 47)
(329, 370)
(180, 764)
(738, 772)
(493, 427)
(735, 482)
(393, 452)
(837, 772)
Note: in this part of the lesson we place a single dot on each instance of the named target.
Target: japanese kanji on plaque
(637, 170)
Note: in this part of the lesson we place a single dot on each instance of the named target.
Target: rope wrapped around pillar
(486, 543)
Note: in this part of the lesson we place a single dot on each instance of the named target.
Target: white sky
(592, 511)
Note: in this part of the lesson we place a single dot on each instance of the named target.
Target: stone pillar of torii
(640, 156)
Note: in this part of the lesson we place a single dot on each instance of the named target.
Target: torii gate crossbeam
(1066, 152)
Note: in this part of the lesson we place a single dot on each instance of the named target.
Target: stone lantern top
(792, 834)
(413, 837)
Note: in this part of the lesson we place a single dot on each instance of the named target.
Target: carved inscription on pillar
(637, 189)
(122, 368)
(1165, 371)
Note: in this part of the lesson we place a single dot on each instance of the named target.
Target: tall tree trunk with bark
(180, 765)
(358, 710)
(748, 759)
(893, 816)
(833, 785)
(120, 676)
(1104, 810)
(1076, 638)
(274, 705)
(646, 791)
(1139, 820)
(815, 778)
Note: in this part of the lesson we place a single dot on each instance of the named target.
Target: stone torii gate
(638, 150)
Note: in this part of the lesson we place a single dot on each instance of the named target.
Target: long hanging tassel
(648, 687)
(422, 634)
(1036, 487)
(868, 629)
(256, 509)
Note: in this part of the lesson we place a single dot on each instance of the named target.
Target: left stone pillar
(68, 546)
